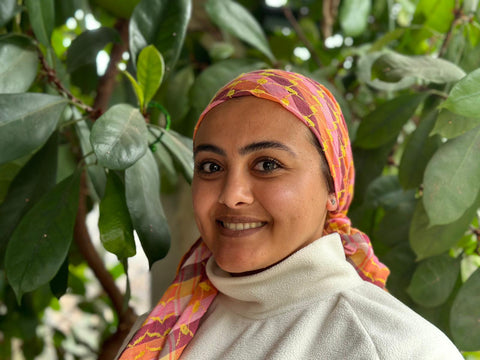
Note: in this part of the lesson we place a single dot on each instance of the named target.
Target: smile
(241, 226)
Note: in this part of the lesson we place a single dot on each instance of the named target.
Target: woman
(279, 273)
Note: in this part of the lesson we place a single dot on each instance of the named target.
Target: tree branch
(458, 18)
(301, 35)
(330, 11)
(55, 81)
(89, 253)
(126, 317)
(108, 80)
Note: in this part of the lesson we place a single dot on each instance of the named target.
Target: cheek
(286, 203)
(201, 200)
(295, 202)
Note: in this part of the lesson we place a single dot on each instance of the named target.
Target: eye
(208, 167)
(267, 165)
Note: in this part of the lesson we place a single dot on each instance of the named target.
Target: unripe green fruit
(123, 8)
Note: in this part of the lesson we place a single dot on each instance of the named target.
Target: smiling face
(259, 193)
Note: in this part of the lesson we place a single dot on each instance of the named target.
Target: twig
(330, 11)
(458, 18)
(88, 251)
(301, 35)
(107, 81)
(126, 317)
(53, 79)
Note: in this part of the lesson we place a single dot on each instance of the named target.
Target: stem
(88, 251)
(108, 80)
(391, 22)
(53, 79)
(438, 93)
(330, 11)
(301, 35)
(458, 17)
(71, 122)
(126, 316)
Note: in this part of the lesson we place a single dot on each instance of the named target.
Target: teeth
(242, 226)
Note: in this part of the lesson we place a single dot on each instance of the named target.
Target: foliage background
(97, 104)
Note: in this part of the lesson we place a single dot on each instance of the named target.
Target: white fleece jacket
(312, 305)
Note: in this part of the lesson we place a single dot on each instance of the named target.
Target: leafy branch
(53, 79)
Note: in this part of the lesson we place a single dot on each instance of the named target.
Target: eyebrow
(208, 148)
(265, 145)
(261, 145)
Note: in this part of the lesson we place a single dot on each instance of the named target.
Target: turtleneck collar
(316, 271)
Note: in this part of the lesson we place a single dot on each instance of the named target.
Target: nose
(236, 190)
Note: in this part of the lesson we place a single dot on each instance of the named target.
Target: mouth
(241, 226)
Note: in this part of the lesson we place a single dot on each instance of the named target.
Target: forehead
(248, 118)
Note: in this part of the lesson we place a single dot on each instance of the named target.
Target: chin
(236, 266)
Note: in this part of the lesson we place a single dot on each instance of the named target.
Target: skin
(255, 164)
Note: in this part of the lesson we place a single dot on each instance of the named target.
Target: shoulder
(394, 329)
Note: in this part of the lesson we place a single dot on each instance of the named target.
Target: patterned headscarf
(173, 322)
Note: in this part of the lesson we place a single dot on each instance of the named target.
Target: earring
(332, 201)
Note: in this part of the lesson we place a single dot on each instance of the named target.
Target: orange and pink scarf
(173, 322)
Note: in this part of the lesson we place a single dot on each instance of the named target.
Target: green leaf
(84, 49)
(384, 40)
(464, 98)
(354, 16)
(429, 240)
(465, 315)
(236, 20)
(450, 125)
(8, 9)
(166, 166)
(221, 50)
(433, 280)
(142, 190)
(42, 18)
(96, 173)
(174, 93)
(41, 241)
(181, 149)
(8, 172)
(401, 262)
(138, 89)
(364, 73)
(150, 70)
(384, 123)
(122, 9)
(119, 137)
(369, 164)
(59, 284)
(214, 77)
(35, 179)
(18, 64)
(419, 148)
(116, 229)
(162, 23)
(164, 160)
(394, 227)
(380, 190)
(451, 181)
(26, 122)
(436, 14)
(392, 67)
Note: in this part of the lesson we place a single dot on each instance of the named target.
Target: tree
(405, 73)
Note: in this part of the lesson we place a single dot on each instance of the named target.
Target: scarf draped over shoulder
(173, 321)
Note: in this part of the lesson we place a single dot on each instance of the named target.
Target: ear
(332, 202)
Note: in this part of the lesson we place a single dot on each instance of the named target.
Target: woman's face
(258, 189)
